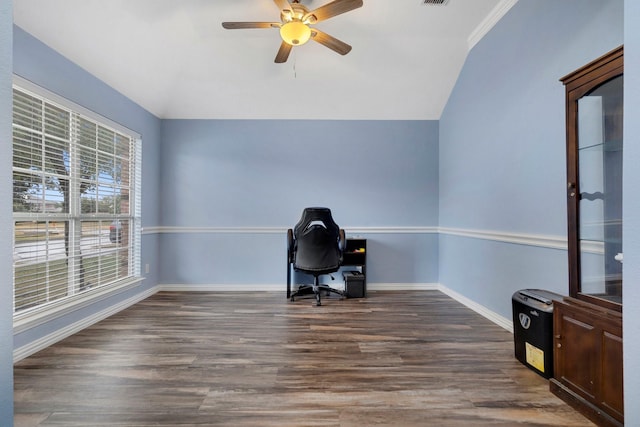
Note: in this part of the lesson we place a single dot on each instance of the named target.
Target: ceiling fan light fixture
(297, 25)
(295, 33)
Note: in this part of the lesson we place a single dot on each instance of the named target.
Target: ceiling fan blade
(331, 42)
(283, 53)
(282, 4)
(332, 9)
(243, 25)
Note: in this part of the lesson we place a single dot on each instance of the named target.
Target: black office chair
(315, 246)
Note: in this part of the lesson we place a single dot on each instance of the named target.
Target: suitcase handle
(536, 297)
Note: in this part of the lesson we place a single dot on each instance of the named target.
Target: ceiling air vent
(435, 2)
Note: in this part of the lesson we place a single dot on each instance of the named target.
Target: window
(76, 201)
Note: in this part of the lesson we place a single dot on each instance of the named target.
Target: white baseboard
(222, 287)
(274, 287)
(44, 342)
(494, 317)
(402, 286)
(480, 309)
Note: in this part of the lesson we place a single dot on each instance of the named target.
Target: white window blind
(76, 201)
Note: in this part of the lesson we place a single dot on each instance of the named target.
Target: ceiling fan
(294, 25)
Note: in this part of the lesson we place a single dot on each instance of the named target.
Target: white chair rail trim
(279, 230)
(544, 241)
(540, 240)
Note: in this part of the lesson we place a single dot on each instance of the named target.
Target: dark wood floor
(413, 358)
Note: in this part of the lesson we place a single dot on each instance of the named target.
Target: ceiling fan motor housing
(297, 12)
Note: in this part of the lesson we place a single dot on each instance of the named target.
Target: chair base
(316, 289)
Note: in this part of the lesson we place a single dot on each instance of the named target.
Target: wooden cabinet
(588, 360)
(594, 115)
(588, 324)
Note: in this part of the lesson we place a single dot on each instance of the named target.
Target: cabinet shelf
(355, 252)
(608, 146)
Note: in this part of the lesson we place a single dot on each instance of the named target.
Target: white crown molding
(488, 23)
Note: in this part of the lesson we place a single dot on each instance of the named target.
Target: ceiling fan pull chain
(295, 59)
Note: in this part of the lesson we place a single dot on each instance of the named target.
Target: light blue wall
(502, 146)
(505, 123)
(6, 215)
(38, 63)
(262, 173)
(631, 214)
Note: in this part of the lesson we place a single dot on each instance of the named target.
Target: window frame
(43, 312)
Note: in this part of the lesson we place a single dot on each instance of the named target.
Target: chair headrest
(316, 216)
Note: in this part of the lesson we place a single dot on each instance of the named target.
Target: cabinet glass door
(599, 117)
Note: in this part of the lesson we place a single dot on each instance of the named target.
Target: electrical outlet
(146, 269)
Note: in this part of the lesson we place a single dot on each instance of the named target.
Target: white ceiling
(173, 57)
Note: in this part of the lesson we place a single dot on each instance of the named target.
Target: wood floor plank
(410, 358)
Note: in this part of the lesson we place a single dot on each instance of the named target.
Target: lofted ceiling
(173, 57)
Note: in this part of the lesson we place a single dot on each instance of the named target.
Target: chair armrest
(290, 245)
(342, 241)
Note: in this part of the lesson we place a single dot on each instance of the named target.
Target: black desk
(355, 255)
